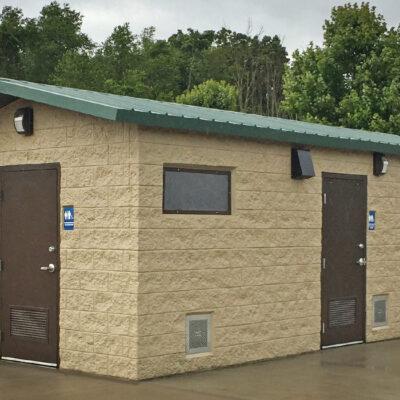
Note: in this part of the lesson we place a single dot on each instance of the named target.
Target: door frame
(34, 167)
(364, 180)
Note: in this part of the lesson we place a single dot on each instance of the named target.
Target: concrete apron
(369, 371)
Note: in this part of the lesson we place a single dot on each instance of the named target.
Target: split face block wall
(130, 274)
(256, 271)
(98, 271)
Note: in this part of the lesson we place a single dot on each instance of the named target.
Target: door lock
(362, 262)
(49, 268)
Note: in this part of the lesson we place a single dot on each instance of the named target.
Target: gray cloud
(296, 22)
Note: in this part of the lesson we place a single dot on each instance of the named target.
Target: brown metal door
(343, 256)
(29, 290)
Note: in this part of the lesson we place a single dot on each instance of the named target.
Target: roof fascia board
(252, 132)
(59, 100)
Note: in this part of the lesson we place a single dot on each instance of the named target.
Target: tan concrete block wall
(258, 270)
(98, 276)
(383, 271)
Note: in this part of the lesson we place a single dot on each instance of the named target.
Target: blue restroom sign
(68, 218)
(371, 220)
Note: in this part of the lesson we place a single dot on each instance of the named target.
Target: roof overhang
(253, 132)
(6, 99)
(198, 119)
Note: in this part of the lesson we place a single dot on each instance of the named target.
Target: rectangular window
(198, 333)
(194, 191)
(380, 310)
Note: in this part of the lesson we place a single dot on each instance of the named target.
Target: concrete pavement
(363, 372)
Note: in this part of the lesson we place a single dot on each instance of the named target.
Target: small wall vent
(198, 333)
(380, 310)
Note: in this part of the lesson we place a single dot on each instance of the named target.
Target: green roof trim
(198, 119)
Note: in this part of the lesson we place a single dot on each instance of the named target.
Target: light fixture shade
(23, 121)
(302, 164)
(380, 164)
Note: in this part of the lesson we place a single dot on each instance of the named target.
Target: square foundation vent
(198, 333)
(380, 310)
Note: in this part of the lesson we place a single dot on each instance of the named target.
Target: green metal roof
(199, 119)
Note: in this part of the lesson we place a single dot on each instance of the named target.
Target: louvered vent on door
(342, 312)
(29, 323)
(198, 333)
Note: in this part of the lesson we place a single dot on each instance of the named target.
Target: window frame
(226, 172)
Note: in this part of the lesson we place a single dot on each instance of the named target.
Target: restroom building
(141, 238)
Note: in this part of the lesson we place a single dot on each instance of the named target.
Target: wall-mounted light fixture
(302, 165)
(23, 121)
(380, 164)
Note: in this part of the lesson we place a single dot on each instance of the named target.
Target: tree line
(52, 49)
(351, 80)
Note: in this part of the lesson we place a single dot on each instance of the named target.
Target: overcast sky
(296, 22)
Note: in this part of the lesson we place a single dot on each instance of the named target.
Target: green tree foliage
(211, 94)
(12, 39)
(79, 70)
(192, 47)
(254, 64)
(56, 31)
(119, 52)
(32, 48)
(373, 101)
(53, 49)
(306, 91)
(353, 79)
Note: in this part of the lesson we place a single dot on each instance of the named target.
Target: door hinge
(323, 263)
(1, 336)
(324, 198)
(1, 265)
(323, 328)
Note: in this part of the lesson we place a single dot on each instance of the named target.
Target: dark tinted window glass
(196, 191)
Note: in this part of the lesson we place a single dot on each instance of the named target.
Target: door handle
(49, 268)
(362, 262)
